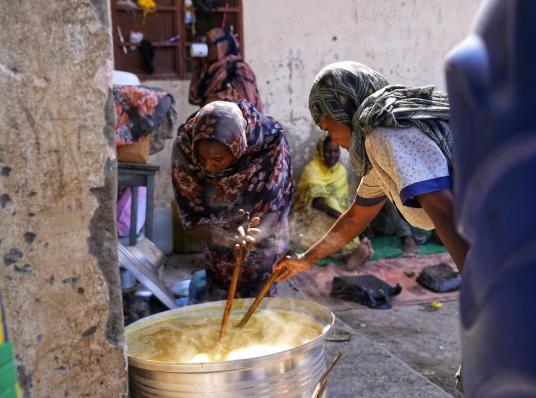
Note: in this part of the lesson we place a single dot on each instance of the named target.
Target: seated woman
(321, 197)
(223, 74)
(230, 157)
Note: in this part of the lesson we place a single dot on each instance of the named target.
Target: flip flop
(339, 335)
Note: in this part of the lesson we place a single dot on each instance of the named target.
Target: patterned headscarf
(360, 97)
(223, 122)
(258, 180)
(142, 110)
(228, 78)
(226, 44)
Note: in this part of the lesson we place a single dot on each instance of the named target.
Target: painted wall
(288, 42)
(58, 250)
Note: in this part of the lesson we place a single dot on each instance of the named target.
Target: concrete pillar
(58, 250)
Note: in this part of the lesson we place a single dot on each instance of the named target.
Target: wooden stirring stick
(241, 251)
(323, 382)
(265, 289)
(239, 257)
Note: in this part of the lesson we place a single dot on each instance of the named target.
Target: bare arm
(350, 224)
(440, 208)
(320, 204)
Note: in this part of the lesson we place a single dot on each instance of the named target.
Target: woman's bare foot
(359, 255)
(410, 247)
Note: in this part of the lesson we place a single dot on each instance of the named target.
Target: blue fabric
(197, 292)
(359, 200)
(491, 83)
(408, 194)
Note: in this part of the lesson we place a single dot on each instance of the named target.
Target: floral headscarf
(142, 110)
(223, 122)
(226, 43)
(259, 179)
(360, 97)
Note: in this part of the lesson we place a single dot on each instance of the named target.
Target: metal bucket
(293, 373)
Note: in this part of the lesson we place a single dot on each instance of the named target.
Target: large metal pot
(293, 373)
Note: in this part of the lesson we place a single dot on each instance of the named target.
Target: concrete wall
(288, 42)
(58, 248)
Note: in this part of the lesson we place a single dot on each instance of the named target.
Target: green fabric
(391, 246)
(329, 260)
(8, 377)
(387, 247)
(9, 393)
(8, 374)
(431, 248)
(6, 353)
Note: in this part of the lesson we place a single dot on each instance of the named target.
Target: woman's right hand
(288, 267)
(245, 236)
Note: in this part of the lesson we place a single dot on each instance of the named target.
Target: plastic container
(180, 288)
(123, 211)
(163, 227)
(128, 280)
(491, 82)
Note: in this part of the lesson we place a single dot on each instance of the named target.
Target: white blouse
(405, 163)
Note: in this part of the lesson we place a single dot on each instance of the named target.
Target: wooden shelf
(226, 9)
(173, 8)
(158, 8)
(172, 59)
(154, 44)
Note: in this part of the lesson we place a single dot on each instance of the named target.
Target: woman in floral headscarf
(223, 74)
(230, 157)
(399, 142)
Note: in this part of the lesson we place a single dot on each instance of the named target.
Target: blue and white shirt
(405, 164)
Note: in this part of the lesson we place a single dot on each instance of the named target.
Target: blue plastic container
(491, 79)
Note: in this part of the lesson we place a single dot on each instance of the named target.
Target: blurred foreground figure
(491, 84)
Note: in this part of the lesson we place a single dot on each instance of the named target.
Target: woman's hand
(242, 237)
(288, 267)
(247, 235)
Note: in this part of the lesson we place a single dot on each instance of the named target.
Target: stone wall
(58, 249)
(288, 42)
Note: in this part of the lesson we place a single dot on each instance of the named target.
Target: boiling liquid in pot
(196, 340)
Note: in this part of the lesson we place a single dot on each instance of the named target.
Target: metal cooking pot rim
(233, 363)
